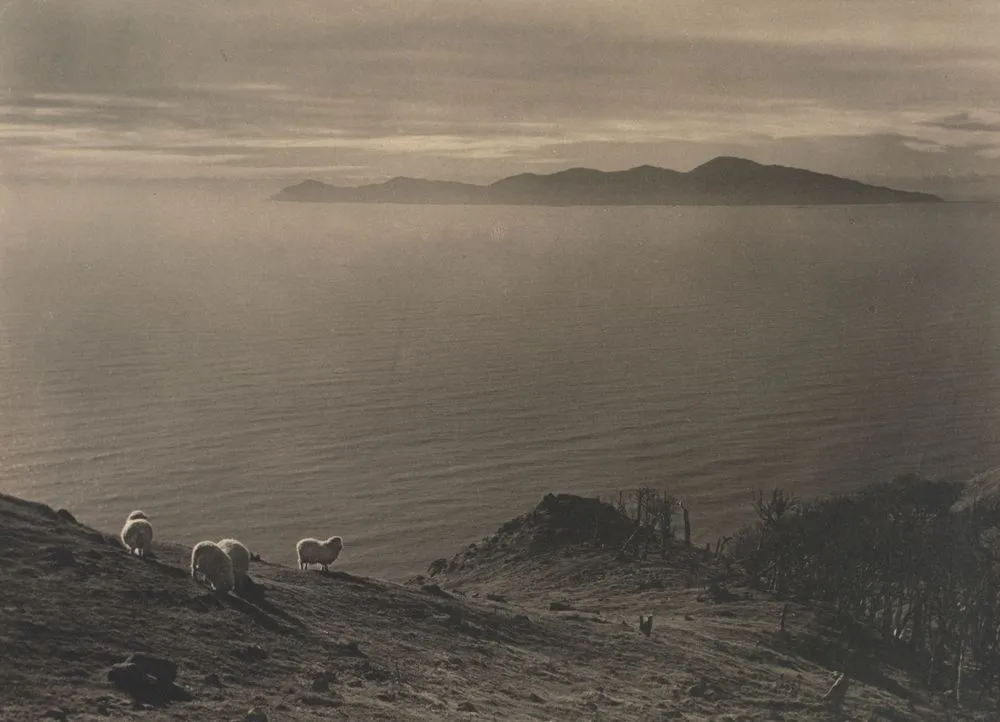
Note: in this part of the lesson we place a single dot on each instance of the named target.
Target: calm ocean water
(412, 377)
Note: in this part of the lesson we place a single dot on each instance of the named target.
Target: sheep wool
(211, 564)
(314, 551)
(239, 555)
(137, 536)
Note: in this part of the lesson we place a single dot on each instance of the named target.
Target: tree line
(904, 557)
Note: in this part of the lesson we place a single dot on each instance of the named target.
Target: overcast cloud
(354, 92)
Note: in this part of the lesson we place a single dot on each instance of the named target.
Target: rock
(62, 557)
(435, 590)
(98, 537)
(536, 698)
(497, 598)
(164, 670)
(66, 516)
(321, 677)
(55, 713)
(147, 678)
(437, 566)
(350, 648)
(374, 672)
(250, 651)
(130, 679)
(314, 700)
(467, 707)
(255, 714)
(560, 607)
(320, 684)
(212, 679)
(698, 689)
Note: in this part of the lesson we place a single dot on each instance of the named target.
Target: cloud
(965, 121)
(485, 88)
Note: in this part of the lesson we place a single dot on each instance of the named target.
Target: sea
(411, 377)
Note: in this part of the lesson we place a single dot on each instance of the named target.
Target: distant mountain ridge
(720, 181)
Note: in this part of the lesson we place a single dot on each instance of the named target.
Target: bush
(895, 556)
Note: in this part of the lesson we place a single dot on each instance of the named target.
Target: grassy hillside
(534, 623)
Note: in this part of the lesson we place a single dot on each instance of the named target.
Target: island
(723, 181)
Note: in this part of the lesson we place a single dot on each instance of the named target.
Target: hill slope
(721, 181)
(311, 646)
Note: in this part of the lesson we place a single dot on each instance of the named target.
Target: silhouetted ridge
(721, 181)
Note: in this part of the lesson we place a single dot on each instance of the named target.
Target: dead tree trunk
(628, 543)
(958, 673)
(834, 697)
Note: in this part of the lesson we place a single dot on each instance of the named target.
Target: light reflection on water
(411, 377)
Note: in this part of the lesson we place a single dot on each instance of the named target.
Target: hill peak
(727, 164)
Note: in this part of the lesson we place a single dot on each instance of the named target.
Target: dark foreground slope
(721, 181)
(480, 640)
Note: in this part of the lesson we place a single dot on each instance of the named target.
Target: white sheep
(138, 514)
(240, 557)
(314, 551)
(214, 565)
(137, 536)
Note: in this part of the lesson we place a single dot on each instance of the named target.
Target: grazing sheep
(240, 557)
(314, 551)
(138, 514)
(137, 536)
(214, 565)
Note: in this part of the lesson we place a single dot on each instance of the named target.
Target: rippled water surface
(411, 377)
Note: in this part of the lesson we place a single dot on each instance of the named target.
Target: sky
(899, 92)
